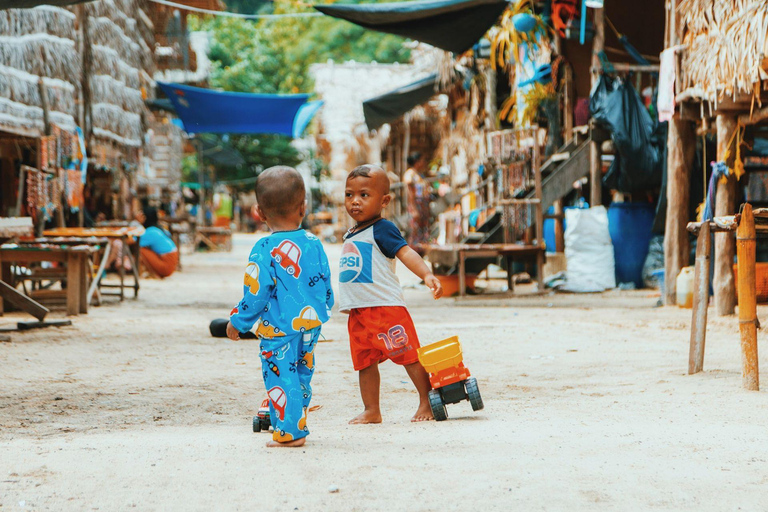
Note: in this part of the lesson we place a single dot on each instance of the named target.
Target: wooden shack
(720, 88)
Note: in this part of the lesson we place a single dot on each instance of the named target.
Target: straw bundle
(105, 89)
(121, 60)
(24, 88)
(38, 43)
(55, 21)
(727, 42)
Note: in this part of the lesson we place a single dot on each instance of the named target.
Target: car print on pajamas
(306, 321)
(287, 254)
(277, 398)
(251, 279)
(265, 330)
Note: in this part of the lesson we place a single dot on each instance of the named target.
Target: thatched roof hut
(727, 52)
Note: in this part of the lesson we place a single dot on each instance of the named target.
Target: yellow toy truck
(450, 379)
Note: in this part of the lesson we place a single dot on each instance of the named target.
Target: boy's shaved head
(377, 175)
(280, 190)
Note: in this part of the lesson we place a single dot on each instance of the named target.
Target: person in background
(223, 208)
(418, 199)
(158, 254)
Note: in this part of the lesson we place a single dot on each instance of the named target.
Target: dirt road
(587, 407)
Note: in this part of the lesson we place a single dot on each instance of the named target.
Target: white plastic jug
(685, 288)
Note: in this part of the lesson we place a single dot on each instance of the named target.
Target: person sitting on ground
(380, 327)
(159, 255)
(287, 297)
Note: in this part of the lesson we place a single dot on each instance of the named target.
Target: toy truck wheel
(437, 406)
(265, 424)
(473, 392)
(256, 424)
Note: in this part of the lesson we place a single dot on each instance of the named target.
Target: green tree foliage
(273, 56)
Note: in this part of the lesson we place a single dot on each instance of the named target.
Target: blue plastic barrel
(630, 226)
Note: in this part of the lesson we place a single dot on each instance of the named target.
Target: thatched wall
(42, 42)
(120, 36)
(36, 43)
(726, 42)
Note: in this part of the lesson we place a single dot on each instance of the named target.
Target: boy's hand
(434, 284)
(232, 333)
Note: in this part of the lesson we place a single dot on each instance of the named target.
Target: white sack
(588, 251)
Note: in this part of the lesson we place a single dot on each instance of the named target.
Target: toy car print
(287, 254)
(307, 320)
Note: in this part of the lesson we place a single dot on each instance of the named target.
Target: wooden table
(508, 251)
(76, 259)
(102, 251)
(129, 235)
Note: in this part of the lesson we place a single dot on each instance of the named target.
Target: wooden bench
(215, 238)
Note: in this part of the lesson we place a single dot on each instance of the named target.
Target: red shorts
(381, 333)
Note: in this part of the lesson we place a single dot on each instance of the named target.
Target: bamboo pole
(725, 245)
(681, 144)
(700, 302)
(745, 237)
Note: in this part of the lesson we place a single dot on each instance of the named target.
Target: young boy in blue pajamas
(287, 297)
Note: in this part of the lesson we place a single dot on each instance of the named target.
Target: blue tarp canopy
(207, 111)
(453, 25)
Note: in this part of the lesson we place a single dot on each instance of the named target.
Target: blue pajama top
(286, 288)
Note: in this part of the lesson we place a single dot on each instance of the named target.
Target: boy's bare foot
(289, 444)
(423, 413)
(366, 417)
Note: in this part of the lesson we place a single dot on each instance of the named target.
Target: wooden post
(46, 111)
(746, 243)
(681, 144)
(559, 223)
(595, 174)
(700, 301)
(725, 244)
(74, 283)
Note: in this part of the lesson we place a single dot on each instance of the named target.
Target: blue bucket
(630, 226)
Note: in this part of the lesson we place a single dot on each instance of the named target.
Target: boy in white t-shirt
(379, 325)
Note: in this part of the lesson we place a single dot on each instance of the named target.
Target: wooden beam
(681, 144)
(700, 302)
(754, 117)
(22, 302)
(746, 244)
(725, 245)
(595, 153)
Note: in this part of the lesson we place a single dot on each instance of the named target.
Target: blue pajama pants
(287, 365)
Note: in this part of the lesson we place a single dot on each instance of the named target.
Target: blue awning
(207, 111)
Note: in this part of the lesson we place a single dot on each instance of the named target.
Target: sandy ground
(587, 407)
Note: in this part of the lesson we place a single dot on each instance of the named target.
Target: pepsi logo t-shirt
(367, 267)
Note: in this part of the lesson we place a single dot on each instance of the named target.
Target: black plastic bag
(638, 138)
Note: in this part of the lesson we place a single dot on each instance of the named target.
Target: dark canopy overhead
(453, 25)
(28, 4)
(389, 107)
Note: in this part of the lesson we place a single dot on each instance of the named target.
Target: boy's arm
(415, 264)
(258, 282)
